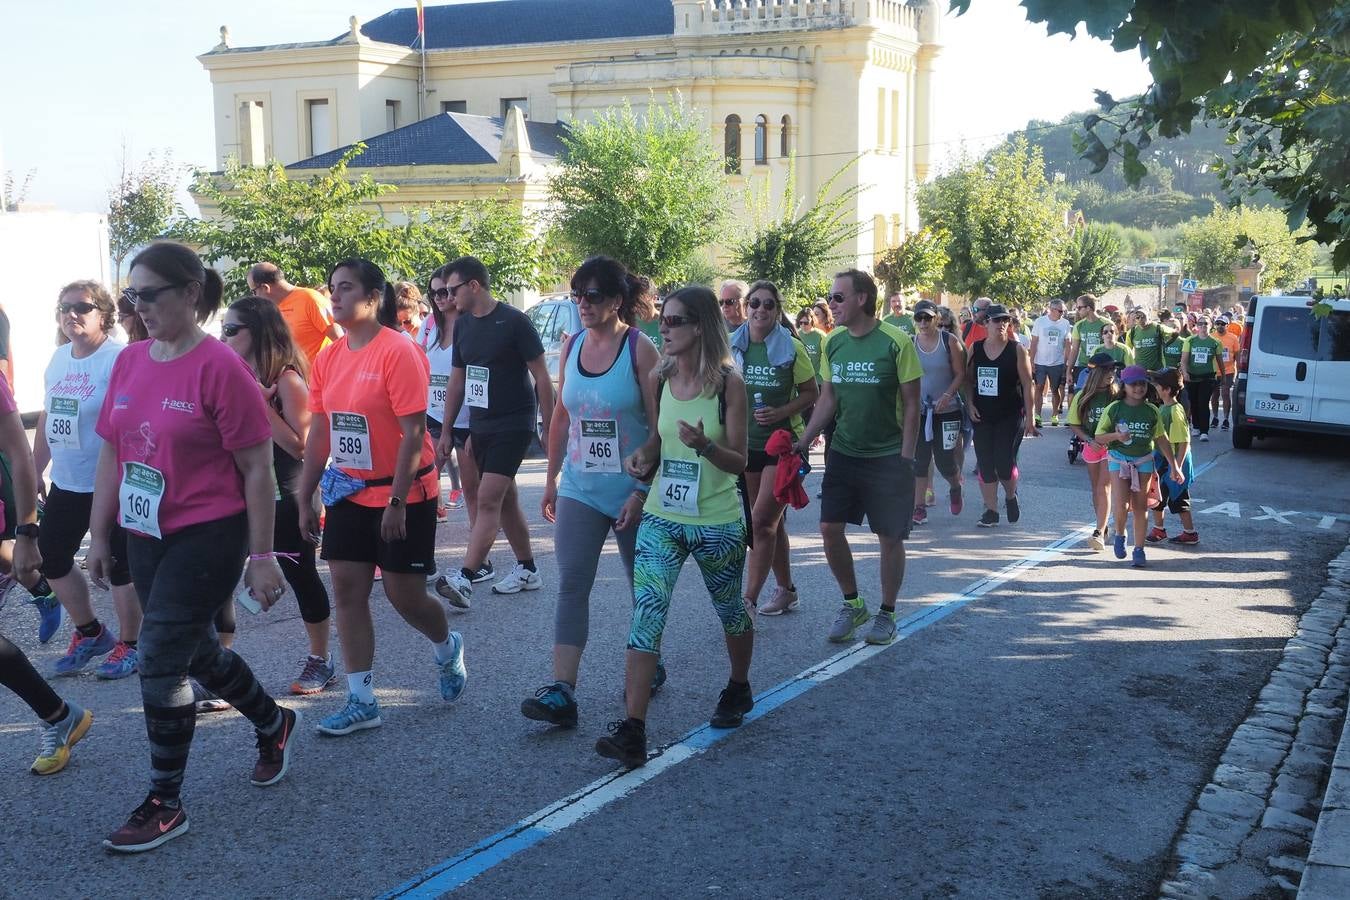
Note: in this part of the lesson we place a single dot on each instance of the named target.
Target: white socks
(361, 685)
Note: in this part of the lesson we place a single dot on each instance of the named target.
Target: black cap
(927, 306)
(1102, 359)
(997, 311)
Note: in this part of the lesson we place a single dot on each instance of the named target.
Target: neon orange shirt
(309, 317)
(1231, 345)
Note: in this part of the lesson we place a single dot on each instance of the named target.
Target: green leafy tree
(648, 191)
(141, 206)
(1004, 224)
(1091, 261)
(916, 263)
(797, 247)
(1212, 246)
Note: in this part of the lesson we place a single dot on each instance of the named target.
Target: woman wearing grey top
(941, 440)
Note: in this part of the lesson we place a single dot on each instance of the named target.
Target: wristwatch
(395, 502)
(29, 531)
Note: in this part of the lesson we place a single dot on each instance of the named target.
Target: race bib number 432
(987, 380)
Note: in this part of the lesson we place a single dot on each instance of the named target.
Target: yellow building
(819, 80)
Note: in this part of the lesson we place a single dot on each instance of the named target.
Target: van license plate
(1280, 406)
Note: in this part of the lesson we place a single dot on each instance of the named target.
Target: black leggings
(1199, 390)
(18, 674)
(927, 451)
(303, 576)
(996, 445)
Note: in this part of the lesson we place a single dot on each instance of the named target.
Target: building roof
(447, 139)
(524, 22)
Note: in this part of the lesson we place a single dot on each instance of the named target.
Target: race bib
(951, 430)
(987, 380)
(350, 444)
(1227, 355)
(63, 423)
(1201, 355)
(600, 446)
(436, 395)
(1052, 338)
(139, 496)
(679, 485)
(476, 386)
(1090, 349)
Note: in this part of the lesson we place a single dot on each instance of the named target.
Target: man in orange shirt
(307, 313)
(1231, 343)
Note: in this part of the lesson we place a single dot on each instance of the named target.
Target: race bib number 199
(351, 441)
(476, 386)
(679, 485)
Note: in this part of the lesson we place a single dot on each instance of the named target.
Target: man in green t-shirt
(898, 317)
(1086, 337)
(1145, 340)
(870, 389)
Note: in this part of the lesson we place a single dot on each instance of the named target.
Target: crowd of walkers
(322, 426)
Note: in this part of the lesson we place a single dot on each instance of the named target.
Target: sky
(132, 80)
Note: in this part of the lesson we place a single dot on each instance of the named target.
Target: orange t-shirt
(1235, 328)
(1231, 345)
(309, 317)
(362, 393)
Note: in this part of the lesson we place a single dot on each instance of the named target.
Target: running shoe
(920, 516)
(847, 622)
(82, 651)
(928, 498)
(1054, 420)
(441, 514)
(552, 703)
(1214, 422)
(1039, 423)
(1224, 426)
(989, 519)
(882, 631)
(455, 500)
(57, 739)
(355, 716)
(784, 600)
(1186, 537)
(1139, 561)
(1119, 546)
(316, 674)
(517, 580)
(49, 609)
(122, 662)
(205, 701)
(627, 742)
(1204, 438)
(454, 674)
(1194, 431)
(1014, 510)
(485, 573)
(1156, 534)
(455, 588)
(379, 574)
(955, 499)
(734, 702)
(1095, 542)
(150, 825)
(274, 751)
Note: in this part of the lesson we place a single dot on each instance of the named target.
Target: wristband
(293, 557)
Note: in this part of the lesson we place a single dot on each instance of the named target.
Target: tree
(796, 248)
(1212, 246)
(649, 192)
(1005, 228)
(916, 263)
(1091, 261)
(141, 206)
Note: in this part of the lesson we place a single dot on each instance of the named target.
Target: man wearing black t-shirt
(496, 351)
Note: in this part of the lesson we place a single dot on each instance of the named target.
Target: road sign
(1189, 285)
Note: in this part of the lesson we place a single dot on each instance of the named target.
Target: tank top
(284, 466)
(937, 369)
(440, 360)
(998, 389)
(606, 422)
(688, 489)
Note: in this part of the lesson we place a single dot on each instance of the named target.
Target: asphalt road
(1045, 738)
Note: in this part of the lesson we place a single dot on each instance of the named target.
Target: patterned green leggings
(662, 547)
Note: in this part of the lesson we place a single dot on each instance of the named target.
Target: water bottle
(759, 401)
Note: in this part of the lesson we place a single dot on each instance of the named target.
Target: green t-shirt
(1172, 345)
(1146, 343)
(866, 374)
(1204, 351)
(1088, 418)
(1144, 422)
(1089, 336)
(1175, 426)
(652, 330)
(1120, 353)
(812, 340)
(905, 323)
(776, 385)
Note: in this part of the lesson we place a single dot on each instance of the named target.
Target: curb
(1327, 874)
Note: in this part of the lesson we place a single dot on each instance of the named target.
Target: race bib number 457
(679, 485)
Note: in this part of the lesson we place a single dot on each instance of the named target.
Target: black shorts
(460, 436)
(351, 533)
(880, 488)
(501, 453)
(65, 522)
(433, 428)
(1055, 375)
(1177, 504)
(758, 460)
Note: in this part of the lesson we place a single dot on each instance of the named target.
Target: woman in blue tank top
(605, 403)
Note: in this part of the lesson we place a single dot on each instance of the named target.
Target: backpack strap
(632, 338)
(566, 352)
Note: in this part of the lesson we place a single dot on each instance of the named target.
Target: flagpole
(422, 77)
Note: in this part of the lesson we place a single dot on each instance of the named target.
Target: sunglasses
(1001, 320)
(149, 295)
(79, 309)
(729, 302)
(677, 321)
(923, 317)
(230, 329)
(766, 303)
(835, 298)
(590, 295)
(439, 294)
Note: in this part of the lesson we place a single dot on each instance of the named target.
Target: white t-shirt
(440, 360)
(75, 390)
(1053, 338)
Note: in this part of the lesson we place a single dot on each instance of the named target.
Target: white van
(1294, 370)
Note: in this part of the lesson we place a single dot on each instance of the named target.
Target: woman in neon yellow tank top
(695, 455)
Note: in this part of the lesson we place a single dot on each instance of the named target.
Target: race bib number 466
(600, 446)
(350, 441)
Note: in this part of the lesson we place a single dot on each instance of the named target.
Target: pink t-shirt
(175, 426)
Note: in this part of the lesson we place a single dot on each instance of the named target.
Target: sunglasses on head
(230, 329)
(765, 302)
(590, 295)
(677, 321)
(80, 309)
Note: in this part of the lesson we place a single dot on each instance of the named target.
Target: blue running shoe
(50, 610)
(82, 651)
(1119, 546)
(454, 674)
(122, 662)
(1139, 560)
(353, 717)
(552, 703)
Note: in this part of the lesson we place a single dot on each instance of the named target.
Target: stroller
(1075, 442)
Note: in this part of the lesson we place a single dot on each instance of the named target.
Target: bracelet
(293, 557)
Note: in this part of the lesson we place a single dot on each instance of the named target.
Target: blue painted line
(446, 876)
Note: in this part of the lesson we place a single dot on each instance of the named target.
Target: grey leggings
(578, 541)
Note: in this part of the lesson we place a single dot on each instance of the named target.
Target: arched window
(732, 144)
(784, 142)
(761, 140)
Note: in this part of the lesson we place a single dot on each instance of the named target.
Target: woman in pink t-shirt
(187, 470)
